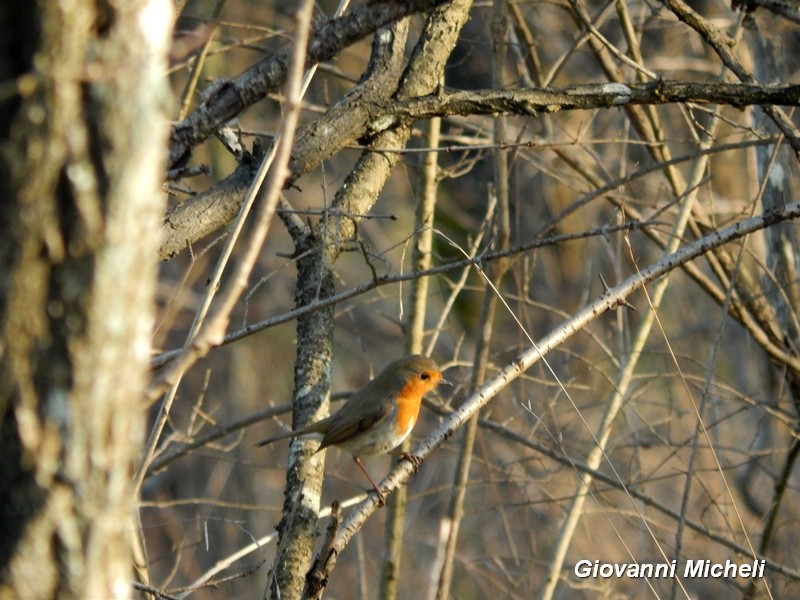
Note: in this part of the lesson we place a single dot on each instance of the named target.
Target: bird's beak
(444, 381)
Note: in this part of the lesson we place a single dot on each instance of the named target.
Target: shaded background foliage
(218, 498)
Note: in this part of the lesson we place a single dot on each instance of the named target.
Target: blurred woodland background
(565, 147)
(703, 441)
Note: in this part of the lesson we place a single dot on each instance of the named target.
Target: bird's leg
(381, 497)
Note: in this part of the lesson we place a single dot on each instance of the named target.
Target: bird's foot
(379, 494)
(415, 460)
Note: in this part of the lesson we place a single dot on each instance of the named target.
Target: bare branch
(236, 95)
(524, 361)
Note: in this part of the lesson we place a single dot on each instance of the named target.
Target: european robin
(378, 417)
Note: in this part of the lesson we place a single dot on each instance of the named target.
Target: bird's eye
(424, 376)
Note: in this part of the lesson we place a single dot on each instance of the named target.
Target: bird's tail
(276, 438)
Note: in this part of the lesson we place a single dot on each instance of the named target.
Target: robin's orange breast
(409, 401)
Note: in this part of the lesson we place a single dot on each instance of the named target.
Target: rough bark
(82, 157)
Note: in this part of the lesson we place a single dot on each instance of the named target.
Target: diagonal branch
(723, 46)
(232, 97)
(524, 361)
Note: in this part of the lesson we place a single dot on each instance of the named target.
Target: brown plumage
(379, 416)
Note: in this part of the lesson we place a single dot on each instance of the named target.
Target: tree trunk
(82, 158)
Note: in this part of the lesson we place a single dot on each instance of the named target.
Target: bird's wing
(358, 414)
